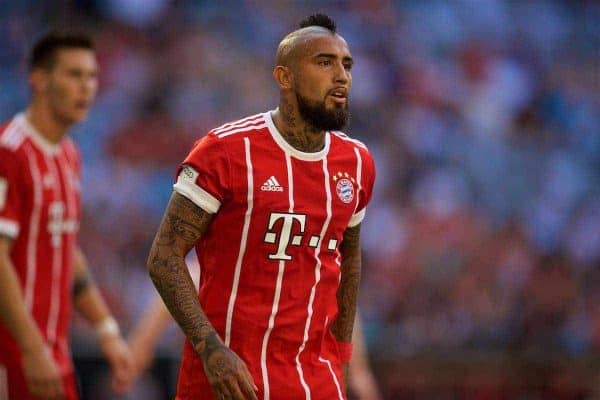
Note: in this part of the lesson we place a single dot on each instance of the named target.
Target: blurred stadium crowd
(483, 117)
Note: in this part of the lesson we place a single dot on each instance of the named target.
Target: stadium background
(482, 245)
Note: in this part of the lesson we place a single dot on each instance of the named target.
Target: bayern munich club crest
(344, 187)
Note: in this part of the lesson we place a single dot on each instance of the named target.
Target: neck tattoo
(301, 138)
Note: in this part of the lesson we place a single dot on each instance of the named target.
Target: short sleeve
(10, 206)
(203, 177)
(367, 182)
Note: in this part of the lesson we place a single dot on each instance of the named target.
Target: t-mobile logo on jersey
(289, 220)
(284, 235)
(56, 213)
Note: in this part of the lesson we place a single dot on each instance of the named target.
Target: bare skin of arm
(361, 378)
(90, 304)
(146, 334)
(182, 226)
(41, 372)
(348, 291)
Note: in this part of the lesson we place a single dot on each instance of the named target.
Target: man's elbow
(153, 263)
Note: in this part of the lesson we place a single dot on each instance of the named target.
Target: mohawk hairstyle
(322, 20)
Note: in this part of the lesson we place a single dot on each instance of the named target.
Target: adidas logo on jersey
(271, 185)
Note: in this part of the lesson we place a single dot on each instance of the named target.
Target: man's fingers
(55, 387)
(250, 378)
(50, 389)
(221, 391)
(234, 388)
(248, 386)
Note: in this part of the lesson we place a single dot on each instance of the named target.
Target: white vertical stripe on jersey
(335, 379)
(317, 279)
(67, 175)
(70, 211)
(56, 262)
(358, 175)
(34, 225)
(326, 361)
(263, 353)
(243, 241)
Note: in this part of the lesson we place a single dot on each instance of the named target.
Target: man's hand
(42, 374)
(121, 362)
(227, 374)
(142, 351)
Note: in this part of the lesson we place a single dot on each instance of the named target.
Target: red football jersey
(40, 210)
(270, 258)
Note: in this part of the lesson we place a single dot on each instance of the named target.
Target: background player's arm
(145, 335)
(182, 226)
(41, 373)
(90, 304)
(348, 290)
(361, 379)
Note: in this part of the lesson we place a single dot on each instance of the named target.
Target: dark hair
(321, 20)
(43, 54)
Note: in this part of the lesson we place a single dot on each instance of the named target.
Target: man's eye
(348, 67)
(325, 62)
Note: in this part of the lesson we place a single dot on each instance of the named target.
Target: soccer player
(273, 205)
(43, 273)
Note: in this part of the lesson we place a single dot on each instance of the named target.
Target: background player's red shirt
(40, 210)
(270, 258)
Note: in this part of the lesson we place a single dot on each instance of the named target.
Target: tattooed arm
(182, 226)
(348, 290)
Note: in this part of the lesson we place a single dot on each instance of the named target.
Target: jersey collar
(289, 149)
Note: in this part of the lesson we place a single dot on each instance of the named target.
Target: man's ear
(38, 79)
(283, 76)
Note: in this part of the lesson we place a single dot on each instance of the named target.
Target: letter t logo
(284, 235)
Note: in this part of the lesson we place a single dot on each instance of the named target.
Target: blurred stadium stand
(482, 245)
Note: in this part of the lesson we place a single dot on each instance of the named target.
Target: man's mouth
(339, 95)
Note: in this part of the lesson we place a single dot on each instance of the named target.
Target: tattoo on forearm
(348, 291)
(182, 226)
(81, 283)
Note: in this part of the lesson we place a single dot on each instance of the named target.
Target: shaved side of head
(295, 42)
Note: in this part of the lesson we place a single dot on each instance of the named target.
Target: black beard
(319, 118)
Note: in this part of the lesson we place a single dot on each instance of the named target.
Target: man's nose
(341, 74)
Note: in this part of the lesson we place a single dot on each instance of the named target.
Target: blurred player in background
(43, 273)
(146, 334)
(272, 204)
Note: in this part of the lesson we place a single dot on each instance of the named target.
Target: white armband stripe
(197, 195)
(357, 218)
(9, 228)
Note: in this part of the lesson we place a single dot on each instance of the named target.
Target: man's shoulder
(12, 135)
(235, 130)
(69, 146)
(344, 141)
